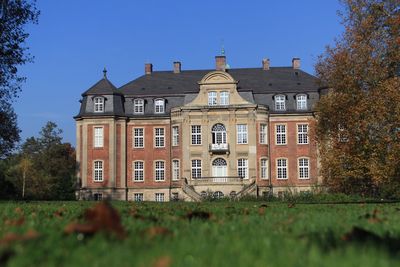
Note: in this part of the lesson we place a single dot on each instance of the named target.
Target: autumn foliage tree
(358, 120)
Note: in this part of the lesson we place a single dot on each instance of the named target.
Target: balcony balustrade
(219, 148)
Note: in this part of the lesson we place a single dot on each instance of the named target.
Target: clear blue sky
(76, 39)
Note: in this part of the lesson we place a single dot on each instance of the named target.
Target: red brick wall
(118, 156)
(97, 154)
(149, 154)
(292, 151)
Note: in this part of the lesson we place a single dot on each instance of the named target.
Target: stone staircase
(247, 189)
(189, 190)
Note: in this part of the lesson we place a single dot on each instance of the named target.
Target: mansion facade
(191, 134)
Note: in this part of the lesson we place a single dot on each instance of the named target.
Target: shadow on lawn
(357, 236)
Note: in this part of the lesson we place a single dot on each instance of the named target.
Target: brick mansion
(191, 134)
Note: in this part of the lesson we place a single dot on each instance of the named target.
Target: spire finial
(105, 73)
(222, 48)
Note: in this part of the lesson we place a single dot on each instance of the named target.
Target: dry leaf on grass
(157, 231)
(13, 237)
(163, 262)
(16, 222)
(102, 217)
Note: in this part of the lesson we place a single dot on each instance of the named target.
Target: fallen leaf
(18, 210)
(12, 237)
(16, 222)
(163, 262)
(59, 213)
(102, 217)
(261, 210)
(291, 205)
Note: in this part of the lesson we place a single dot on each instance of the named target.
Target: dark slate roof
(259, 81)
(102, 87)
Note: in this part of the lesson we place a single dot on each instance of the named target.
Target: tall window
(281, 168)
(138, 171)
(159, 106)
(302, 133)
(212, 98)
(218, 134)
(98, 171)
(304, 167)
(175, 135)
(241, 133)
(263, 133)
(99, 104)
(138, 136)
(264, 168)
(280, 134)
(98, 136)
(159, 197)
(242, 168)
(280, 102)
(196, 168)
(196, 134)
(224, 98)
(159, 137)
(301, 102)
(138, 197)
(160, 171)
(138, 106)
(175, 169)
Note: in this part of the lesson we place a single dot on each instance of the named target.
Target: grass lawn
(202, 234)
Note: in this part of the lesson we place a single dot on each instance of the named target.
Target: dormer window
(224, 98)
(138, 106)
(99, 104)
(280, 102)
(301, 102)
(159, 106)
(212, 98)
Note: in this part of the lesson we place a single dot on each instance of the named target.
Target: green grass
(237, 234)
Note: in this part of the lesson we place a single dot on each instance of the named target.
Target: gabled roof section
(257, 80)
(102, 87)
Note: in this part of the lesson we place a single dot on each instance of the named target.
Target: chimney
(296, 63)
(220, 63)
(265, 64)
(177, 67)
(148, 68)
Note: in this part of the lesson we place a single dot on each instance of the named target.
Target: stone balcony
(218, 148)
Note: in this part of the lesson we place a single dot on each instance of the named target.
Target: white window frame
(195, 134)
(282, 169)
(303, 168)
(138, 171)
(212, 98)
(241, 132)
(301, 102)
(243, 168)
(264, 168)
(175, 170)
(159, 137)
(138, 140)
(280, 134)
(280, 102)
(159, 170)
(302, 134)
(196, 170)
(98, 132)
(98, 104)
(138, 106)
(159, 197)
(98, 171)
(263, 134)
(224, 98)
(159, 106)
(175, 135)
(138, 197)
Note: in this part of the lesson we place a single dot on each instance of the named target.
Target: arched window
(280, 102)
(218, 194)
(99, 104)
(219, 170)
(301, 102)
(203, 194)
(218, 133)
(219, 162)
(232, 194)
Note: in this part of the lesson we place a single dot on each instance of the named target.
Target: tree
(358, 128)
(14, 15)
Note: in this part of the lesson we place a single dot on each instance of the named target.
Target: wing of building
(190, 134)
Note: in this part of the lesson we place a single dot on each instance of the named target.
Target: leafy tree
(14, 15)
(358, 127)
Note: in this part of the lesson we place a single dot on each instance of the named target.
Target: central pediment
(217, 77)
